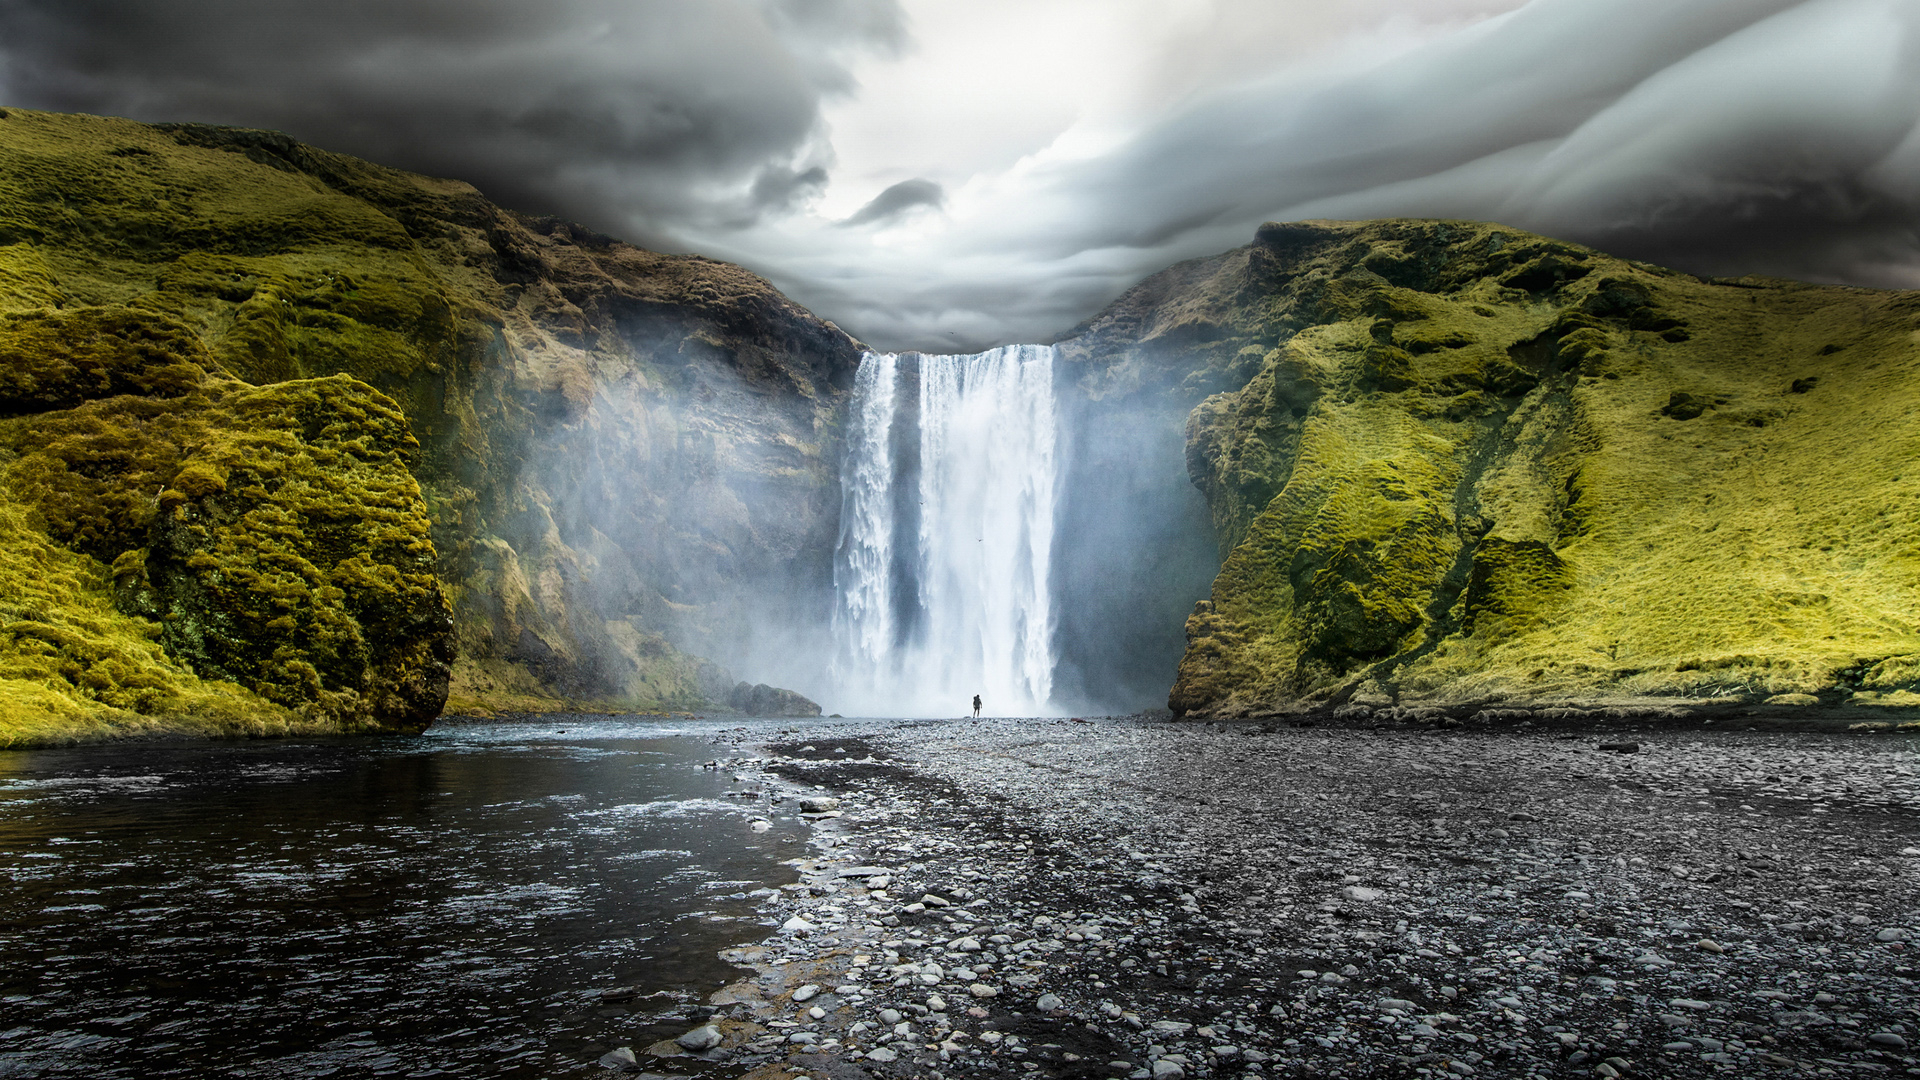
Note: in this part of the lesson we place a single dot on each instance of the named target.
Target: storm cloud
(1720, 136)
(649, 116)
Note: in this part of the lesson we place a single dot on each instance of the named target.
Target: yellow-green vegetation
(271, 534)
(218, 348)
(73, 668)
(1477, 465)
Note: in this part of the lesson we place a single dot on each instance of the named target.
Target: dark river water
(443, 905)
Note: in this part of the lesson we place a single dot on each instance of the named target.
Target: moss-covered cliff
(1453, 462)
(256, 395)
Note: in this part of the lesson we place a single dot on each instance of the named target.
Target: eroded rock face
(1451, 461)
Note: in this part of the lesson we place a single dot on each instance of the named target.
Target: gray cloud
(897, 200)
(646, 117)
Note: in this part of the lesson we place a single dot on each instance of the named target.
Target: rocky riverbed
(1129, 898)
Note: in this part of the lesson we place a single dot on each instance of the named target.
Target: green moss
(55, 359)
(72, 667)
(25, 280)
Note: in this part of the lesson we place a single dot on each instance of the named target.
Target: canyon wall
(333, 441)
(1452, 462)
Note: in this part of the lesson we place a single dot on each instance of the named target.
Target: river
(450, 904)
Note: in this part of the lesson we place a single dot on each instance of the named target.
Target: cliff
(1454, 463)
(295, 431)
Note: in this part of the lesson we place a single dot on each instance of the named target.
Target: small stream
(434, 906)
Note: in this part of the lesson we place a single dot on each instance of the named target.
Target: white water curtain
(980, 618)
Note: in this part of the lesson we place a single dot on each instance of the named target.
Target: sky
(953, 174)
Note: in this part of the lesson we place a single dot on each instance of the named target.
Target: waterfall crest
(943, 566)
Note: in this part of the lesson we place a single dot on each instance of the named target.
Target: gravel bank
(1123, 898)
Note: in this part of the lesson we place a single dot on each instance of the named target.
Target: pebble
(1158, 902)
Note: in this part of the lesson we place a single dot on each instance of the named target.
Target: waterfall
(946, 535)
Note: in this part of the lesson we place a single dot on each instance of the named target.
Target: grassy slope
(1473, 465)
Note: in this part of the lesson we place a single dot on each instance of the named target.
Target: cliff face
(251, 384)
(1454, 462)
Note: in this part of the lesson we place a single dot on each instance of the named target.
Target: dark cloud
(1722, 136)
(641, 116)
(897, 200)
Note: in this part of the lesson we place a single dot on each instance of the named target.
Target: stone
(797, 925)
(982, 990)
(1888, 1038)
(1621, 747)
(1170, 1027)
(1049, 1003)
(864, 872)
(936, 1003)
(1891, 934)
(806, 993)
(1361, 894)
(882, 1054)
(889, 1017)
(704, 1037)
(965, 944)
(1168, 1070)
(623, 1058)
(1690, 1003)
(932, 901)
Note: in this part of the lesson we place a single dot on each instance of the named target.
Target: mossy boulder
(1472, 464)
(273, 535)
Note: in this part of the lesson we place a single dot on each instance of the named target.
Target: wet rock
(623, 1059)
(705, 1037)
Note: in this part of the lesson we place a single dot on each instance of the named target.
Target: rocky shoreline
(1129, 898)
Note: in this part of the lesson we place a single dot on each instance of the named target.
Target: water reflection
(415, 907)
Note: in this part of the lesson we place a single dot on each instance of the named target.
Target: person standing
(976, 706)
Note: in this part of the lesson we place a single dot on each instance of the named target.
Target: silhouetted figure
(976, 706)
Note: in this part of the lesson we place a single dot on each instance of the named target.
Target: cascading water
(946, 536)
